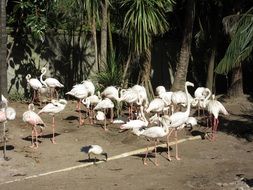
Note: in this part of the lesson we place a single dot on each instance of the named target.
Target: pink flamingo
(33, 119)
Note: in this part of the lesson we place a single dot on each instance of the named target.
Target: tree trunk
(236, 88)
(124, 83)
(110, 32)
(103, 54)
(94, 35)
(3, 49)
(182, 65)
(210, 71)
(145, 74)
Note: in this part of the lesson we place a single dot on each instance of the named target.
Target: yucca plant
(111, 74)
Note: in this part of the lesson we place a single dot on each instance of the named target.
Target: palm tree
(3, 49)
(239, 49)
(143, 20)
(182, 65)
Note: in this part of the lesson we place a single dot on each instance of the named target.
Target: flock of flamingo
(154, 119)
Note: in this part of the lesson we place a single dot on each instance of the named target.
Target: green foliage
(17, 97)
(241, 45)
(144, 19)
(112, 74)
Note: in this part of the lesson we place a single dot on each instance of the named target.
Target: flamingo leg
(32, 142)
(112, 115)
(177, 157)
(4, 137)
(145, 159)
(168, 136)
(36, 138)
(105, 123)
(156, 162)
(53, 128)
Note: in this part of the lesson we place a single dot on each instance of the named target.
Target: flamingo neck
(208, 96)
(41, 78)
(188, 101)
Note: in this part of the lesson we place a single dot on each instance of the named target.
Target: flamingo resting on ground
(214, 107)
(53, 108)
(33, 119)
(94, 150)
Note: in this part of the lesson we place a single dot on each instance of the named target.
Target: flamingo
(33, 119)
(141, 121)
(4, 100)
(215, 107)
(157, 105)
(89, 86)
(155, 133)
(80, 92)
(202, 95)
(52, 83)
(143, 97)
(165, 96)
(90, 102)
(111, 92)
(53, 108)
(6, 114)
(94, 150)
(103, 105)
(177, 120)
(129, 96)
(35, 84)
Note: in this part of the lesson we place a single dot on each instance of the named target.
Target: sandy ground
(226, 163)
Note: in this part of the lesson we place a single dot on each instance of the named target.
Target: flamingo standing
(94, 150)
(89, 86)
(214, 107)
(6, 114)
(33, 119)
(157, 105)
(165, 96)
(155, 133)
(177, 120)
(111, 92)
(80, 92)
(53, 108)
(202, 95)
(90, 102)
(142, 95)
(52, 83)
(35, 84)
(103, 105)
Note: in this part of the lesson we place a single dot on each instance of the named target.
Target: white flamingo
(80, 92)
(35, 84)
(143, 97)
(89, 86)
(111, 92)
(215, 107)
(4, 100)
(90, 102)
(103, 105)
(53, 108)
(165, 96)
(177, 120)
(52, 83)
(6, 114)
(33, 119)
(131, 97)
(155, 133)
(157, 105)
(202, 95)
(94, 150)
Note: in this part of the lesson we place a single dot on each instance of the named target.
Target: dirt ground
(226, 163)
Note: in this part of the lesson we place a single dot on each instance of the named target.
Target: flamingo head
(187, 83)
(28, 76)
(43, 69)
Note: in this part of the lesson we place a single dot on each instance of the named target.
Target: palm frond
(241, 45)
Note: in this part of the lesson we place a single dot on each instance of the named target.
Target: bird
(4, 100)
(165, 96)
(94, 150)
(131, 97)
(111, 92)
(89, 86)
(103, 105)
(141, 121)
(80, 92)
(35, 84)
(157, 105)
(90, 102)
(33, 119)
(201, 95)
(53, 108)
(143, 97)
(178, 119)
(52, 83)
(215, 107)
(6, 114)
(155, 133)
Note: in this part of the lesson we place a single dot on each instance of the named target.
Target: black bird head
(106, 156)
(86, 149)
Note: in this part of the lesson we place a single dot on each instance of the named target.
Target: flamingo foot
(81, 122)
(169, 158)
(53, 141)
(177, 158)
(145, 163)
